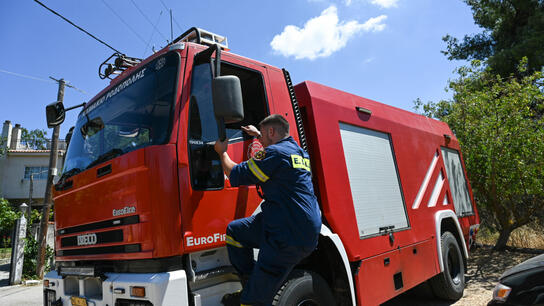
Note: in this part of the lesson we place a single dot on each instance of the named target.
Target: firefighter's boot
(232, 299)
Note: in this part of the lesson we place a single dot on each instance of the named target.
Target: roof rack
(203, 37)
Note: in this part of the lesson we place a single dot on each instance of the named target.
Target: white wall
(12, 172)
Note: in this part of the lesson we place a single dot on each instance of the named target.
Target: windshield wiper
(105, 157)
(69, 173)
(62, 180)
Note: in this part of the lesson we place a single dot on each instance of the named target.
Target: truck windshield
(134, 114)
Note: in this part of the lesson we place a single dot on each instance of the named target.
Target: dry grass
(5, 253)
(485, 266)
(530, 237)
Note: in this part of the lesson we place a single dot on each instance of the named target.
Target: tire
(450, 284)
(304, 288)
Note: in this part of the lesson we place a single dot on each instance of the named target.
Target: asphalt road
(21, 295)
(18, 295)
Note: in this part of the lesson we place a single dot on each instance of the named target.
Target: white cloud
(384, 3)
(368, 60)
(380, 3)
(322, 36)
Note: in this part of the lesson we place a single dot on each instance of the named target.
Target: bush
(31, 255)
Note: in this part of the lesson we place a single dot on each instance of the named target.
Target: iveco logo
(86, 239)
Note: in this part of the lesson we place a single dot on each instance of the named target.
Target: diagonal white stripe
(425, 183)
(436, 190)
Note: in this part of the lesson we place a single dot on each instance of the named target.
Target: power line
(68, 85)
(152, 33)
(123, 21)
(25, 76)
(40, 79)
(146, 18)
(78, 27)
(173, 17)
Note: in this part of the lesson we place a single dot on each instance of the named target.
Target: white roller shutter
(373, 178)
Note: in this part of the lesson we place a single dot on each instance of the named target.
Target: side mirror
(227, 102)
(227, 98)
(55, 114)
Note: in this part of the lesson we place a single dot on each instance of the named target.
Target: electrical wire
(68, 85)
(167, 8)
(123, 21)
(78, 27)
(152, 33)
(146, 18)
(26, 76)
(41, 80)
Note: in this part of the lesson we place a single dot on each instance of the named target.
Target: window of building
(206, 170)
(40, 173)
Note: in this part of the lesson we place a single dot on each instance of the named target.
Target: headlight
(501, 292)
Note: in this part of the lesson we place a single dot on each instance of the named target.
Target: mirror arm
(206, 56)
(221, 129)
(79, 105)
(217, 61)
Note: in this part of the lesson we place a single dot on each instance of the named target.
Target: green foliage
(8, 216)
(499, 125)
(3, 146)
(34, 139)
(31, 255)
(512, 30)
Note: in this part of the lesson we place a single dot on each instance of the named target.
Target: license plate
(78, 301)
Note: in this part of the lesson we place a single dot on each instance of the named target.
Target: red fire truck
(142, 205)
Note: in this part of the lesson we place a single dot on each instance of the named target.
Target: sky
(384, 50)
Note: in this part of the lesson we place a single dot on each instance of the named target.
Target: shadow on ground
(4, 274)
(484, 268)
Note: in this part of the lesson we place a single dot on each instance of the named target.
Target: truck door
(209, 202)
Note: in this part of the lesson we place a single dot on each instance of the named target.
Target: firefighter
(287, 228)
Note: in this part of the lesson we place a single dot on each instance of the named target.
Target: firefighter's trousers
(274, 263)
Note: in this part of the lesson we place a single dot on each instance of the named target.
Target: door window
(206, 170)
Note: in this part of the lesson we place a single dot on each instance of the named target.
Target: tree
(34, 139)
(3, 146)
(501, 138)
(513, 29)
(8, 216)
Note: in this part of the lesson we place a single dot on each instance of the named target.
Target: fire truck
(142, 205)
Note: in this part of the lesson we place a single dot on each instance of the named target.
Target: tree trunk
(504, 234)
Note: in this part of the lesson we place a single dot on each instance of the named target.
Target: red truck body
(144, 206)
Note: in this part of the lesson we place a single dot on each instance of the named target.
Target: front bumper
(168, 288)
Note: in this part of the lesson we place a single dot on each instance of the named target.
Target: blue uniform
(285, 231)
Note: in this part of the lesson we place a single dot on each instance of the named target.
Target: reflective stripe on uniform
(259, 174)
(231, 241)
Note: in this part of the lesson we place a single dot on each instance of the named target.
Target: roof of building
(33, 151)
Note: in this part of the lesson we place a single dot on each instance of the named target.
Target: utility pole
(30, 192)
(48, 198)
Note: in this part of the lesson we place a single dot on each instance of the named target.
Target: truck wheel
(304, 288)
(450, 284)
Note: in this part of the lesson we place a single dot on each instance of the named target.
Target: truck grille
(127, 248)
(103, 237)
(100, 225)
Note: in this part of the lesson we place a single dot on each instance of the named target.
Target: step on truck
(142, 205)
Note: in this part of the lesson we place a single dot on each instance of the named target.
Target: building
(23, 168)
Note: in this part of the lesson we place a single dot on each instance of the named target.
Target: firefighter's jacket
(290, 211)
